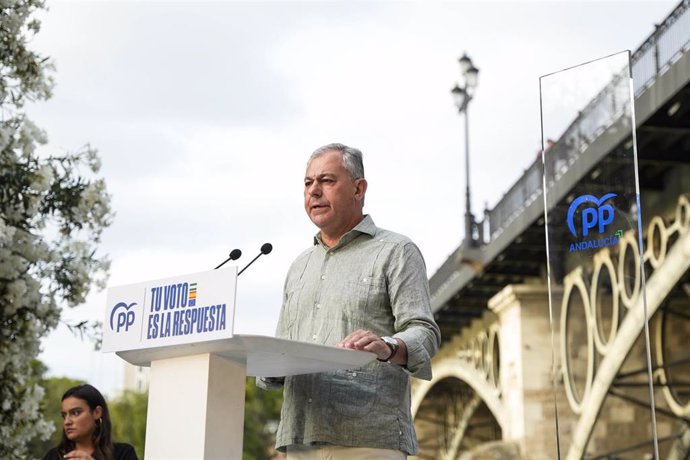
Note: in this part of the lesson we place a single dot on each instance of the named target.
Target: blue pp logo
(121, 317)
(596, 215)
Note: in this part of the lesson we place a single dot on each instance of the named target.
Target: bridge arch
(457, 410)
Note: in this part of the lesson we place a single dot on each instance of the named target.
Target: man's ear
(360, 188)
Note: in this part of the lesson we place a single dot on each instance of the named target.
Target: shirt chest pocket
(367, 294)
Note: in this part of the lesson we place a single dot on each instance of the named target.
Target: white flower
(43, 178)
(93, 159)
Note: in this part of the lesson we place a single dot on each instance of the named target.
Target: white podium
(196, 392)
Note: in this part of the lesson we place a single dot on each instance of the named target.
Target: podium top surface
(264, 356)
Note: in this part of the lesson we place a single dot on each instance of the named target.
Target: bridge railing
(663, 47)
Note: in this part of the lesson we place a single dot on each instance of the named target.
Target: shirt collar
(365, 226)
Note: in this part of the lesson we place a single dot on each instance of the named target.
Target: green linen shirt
(372, 279)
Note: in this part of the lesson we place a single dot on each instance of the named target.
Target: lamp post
(463, 93)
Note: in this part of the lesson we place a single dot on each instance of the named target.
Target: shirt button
(354, 374)
(313, 336)
(323, 277)
(309, 399)
(318, 305)
(364, 279)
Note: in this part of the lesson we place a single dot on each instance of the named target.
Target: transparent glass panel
(603, 396)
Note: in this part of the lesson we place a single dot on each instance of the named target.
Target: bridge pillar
(526, 369)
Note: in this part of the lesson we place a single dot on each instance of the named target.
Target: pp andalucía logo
(122, 316)
(595, 216)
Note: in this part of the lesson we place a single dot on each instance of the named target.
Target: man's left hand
(364, 340)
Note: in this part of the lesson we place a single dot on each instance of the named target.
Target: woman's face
(78, 420)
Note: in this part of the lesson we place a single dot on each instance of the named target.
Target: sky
(204, 115)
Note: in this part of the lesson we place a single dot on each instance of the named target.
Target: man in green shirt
(358, 287)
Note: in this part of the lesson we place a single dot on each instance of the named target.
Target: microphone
(234, 255)
(266, 248)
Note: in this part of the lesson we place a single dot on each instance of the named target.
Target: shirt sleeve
(274, 383)
(411, 305)
(281, 327)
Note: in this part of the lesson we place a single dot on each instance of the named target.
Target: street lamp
(462, 96)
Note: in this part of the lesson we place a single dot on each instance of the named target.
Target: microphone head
(266, 248)
(235, 254)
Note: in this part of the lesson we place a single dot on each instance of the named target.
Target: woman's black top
(121, 451)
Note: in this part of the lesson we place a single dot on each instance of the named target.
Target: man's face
(333, 200)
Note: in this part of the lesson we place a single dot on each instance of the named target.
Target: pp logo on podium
(122, 316)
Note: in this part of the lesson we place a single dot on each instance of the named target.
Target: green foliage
(52, 212)
(128, 414)
(261, 417)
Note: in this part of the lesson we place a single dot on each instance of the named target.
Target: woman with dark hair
(86, 429)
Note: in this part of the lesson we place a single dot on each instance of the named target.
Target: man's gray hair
(352, 158)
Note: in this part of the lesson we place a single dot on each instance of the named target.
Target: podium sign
(183, 309)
